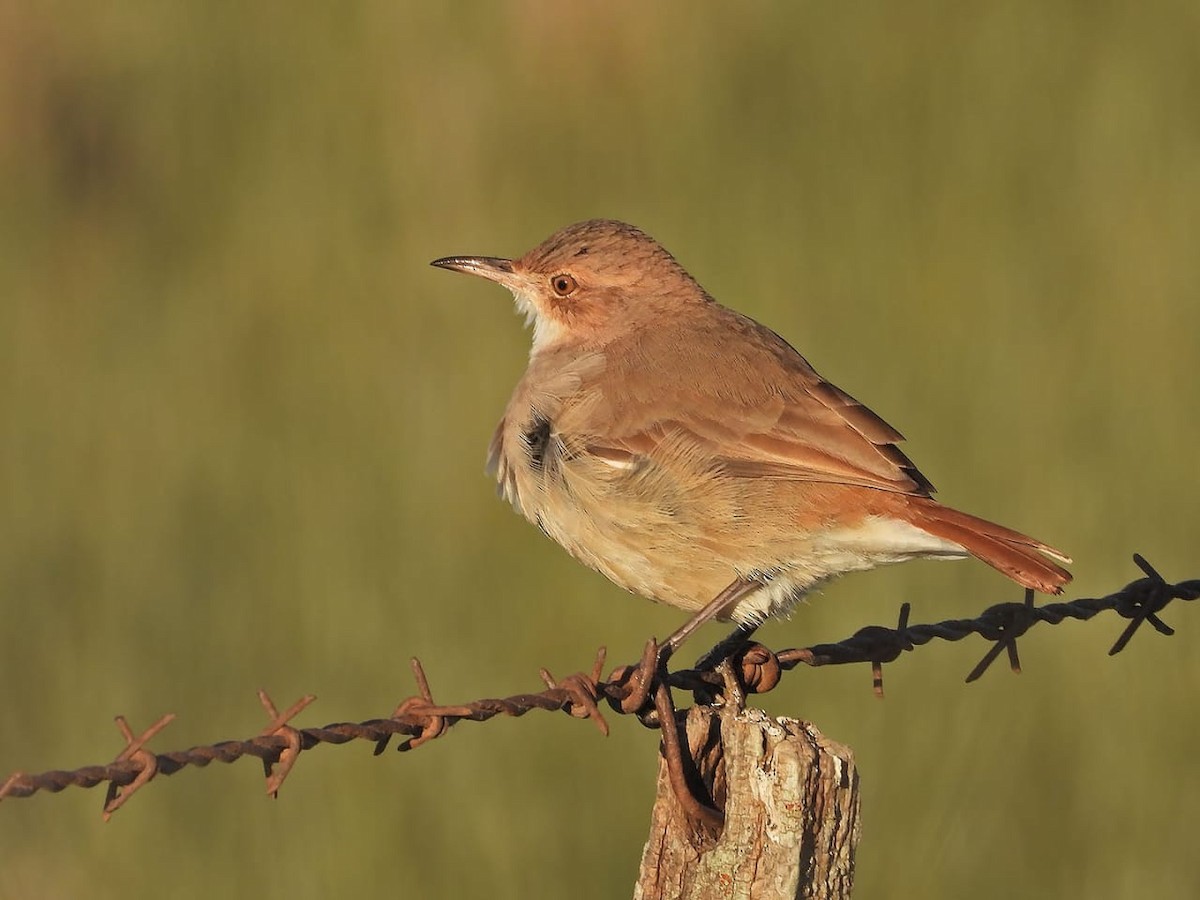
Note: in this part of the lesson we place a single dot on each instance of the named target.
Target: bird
(692, 455)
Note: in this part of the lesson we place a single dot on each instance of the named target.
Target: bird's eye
(563, 284)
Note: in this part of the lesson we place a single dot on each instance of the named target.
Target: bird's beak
(489, 267)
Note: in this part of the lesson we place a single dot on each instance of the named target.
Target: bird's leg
(738, 639)
(675, 748)
(727, 598)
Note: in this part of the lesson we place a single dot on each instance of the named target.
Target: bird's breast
(653, 526)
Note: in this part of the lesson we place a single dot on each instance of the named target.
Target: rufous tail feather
(1017, 555)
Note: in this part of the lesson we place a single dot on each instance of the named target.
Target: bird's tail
(1018, 556)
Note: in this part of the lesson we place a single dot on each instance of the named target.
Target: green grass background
(243, 422)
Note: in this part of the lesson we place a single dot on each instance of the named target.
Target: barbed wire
(643, 689)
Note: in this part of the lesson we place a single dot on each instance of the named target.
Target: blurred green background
(244, 422)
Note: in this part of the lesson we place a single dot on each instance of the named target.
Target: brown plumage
(680, 447)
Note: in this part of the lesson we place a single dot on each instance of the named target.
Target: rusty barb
(645, 690)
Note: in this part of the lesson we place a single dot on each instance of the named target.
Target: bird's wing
(757, 409)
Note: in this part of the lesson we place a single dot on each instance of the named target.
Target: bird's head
(588, 281)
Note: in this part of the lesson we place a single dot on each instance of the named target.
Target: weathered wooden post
(791, 806)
